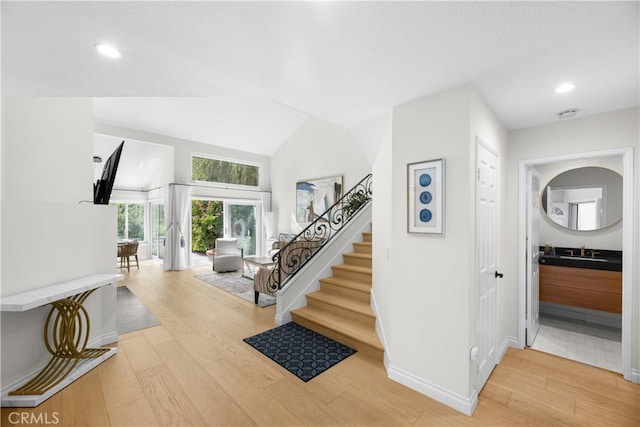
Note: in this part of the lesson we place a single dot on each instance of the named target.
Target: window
(130, 221)
(224, 172)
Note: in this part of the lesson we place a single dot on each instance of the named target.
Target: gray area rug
(131, 314)
(237, 285)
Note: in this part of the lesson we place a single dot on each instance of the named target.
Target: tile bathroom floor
(589, 343)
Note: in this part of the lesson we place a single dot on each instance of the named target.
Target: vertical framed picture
(315, 196)
(425, 184)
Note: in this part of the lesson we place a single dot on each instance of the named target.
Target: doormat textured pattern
(131, 314)
(299, 350)
(237, 285)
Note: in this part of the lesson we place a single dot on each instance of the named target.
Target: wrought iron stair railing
(301, 249)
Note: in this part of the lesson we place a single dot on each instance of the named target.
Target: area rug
(237, 285)
(131, 314)
(299, 350)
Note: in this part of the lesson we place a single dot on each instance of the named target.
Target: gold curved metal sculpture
(65, 337)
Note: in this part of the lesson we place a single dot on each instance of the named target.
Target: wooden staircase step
(354, 272)
(354, 258)
(349, 288)
(352, 309)
(332, 325)
(367, 236)
(363, 247)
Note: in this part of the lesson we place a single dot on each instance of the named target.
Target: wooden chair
(126, 251)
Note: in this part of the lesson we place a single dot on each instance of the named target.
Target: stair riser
(355, 316)
(352, 275)
(361, 347)
(367, 237)
(362, 249)
(345, 292)
(361, 262)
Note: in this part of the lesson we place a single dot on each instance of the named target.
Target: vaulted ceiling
(247, 74)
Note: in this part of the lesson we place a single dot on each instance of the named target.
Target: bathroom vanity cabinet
(581, 287)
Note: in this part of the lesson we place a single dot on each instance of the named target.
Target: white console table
(66, 333)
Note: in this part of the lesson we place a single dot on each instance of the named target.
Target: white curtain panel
(167, 261)
(177, 204)
(267, 214)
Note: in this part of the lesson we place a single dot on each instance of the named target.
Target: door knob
(500, 275)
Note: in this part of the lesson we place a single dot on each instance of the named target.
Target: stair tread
(357, 306)
(348, 283)
(342, 325)
(355, 268)
(357, 255)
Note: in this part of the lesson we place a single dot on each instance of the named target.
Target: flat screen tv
(102, 188)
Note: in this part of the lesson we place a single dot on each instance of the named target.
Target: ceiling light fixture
(565, 88)
(108, 50)
(567, 114)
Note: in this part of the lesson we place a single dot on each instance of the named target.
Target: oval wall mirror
(584, 199)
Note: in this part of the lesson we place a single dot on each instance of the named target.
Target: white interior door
(533, 251)
(487, 238)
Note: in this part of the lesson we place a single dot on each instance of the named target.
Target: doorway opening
(216, 218)
(158, 230)
(557, 314)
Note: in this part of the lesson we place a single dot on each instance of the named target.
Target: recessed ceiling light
(565, 87)
(108, 50)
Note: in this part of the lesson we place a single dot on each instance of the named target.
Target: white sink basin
(579, 258)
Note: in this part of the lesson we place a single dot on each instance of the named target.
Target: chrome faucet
(593, 253)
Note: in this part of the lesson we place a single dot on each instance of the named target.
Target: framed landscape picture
(425, 184)
(315, 196)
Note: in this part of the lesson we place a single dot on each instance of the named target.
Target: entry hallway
(194, 369)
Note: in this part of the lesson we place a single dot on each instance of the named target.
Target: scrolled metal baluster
(320, 231)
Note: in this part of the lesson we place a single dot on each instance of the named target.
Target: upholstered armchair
(290, 257)
(227, 256)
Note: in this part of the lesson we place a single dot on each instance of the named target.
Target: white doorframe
(628, 255)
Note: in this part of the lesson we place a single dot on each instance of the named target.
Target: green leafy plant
(354, 202)
(206, 224)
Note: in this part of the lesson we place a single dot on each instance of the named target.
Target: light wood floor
(194, 369)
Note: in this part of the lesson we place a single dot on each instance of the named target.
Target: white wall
(619, 129)
(424, 285)
(382, 218)
(609, 238)
(316, 150)
(47, 235)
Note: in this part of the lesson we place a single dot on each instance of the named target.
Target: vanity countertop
(603, 260)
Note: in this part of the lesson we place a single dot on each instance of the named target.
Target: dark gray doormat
(131, 314)
(299, 350)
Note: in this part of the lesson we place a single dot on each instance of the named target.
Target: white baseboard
(386, 358)
(283, 318)
(104, 340)
(442, 395)
(635, 376)
(509, 342)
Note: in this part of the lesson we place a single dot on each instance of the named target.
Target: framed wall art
(425, 184)
(315, 196)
